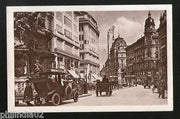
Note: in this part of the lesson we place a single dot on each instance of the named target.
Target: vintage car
(53, 87)
(103, 87)
(147, 83)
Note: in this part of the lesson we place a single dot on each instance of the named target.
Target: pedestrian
(162, 89)
(28, 93)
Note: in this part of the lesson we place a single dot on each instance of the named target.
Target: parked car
(51, 87)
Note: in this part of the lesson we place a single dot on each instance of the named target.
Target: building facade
(162, 31)
(65, 44)
(58, 47)
(143, 55)
(89, 40)
(117, 60)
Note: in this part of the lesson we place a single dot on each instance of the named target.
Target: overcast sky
(129, 23)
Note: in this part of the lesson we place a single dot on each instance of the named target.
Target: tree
(30, 28)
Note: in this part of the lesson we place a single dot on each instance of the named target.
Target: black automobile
(53, 87)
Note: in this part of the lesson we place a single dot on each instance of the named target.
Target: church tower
(151, 47)
(149, 25)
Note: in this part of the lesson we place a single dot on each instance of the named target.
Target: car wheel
(67, 91)
(76, 96)
(37, 101)
(56, 99)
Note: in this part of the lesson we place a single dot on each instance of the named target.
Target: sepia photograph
(104, 58)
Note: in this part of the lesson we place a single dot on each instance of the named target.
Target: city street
(126, 96)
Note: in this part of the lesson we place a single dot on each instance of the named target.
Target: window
(67, 22)
(48, 23)
(69, 14)
(59, 29)
(82, 56)
(71, 63)
(60, 59)
(75, 28)
(76, 64)
(75, 18)
(59, 16)
(68, 34)
(75, 38)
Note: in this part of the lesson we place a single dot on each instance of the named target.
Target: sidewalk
(21, 103)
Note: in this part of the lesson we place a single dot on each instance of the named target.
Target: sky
(128, 24)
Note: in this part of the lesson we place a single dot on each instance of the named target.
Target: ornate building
(163, 46)
(115, 66)
(142, 56)
(89, 40)
(117, 60)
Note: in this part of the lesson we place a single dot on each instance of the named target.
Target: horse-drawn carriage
(103, 87)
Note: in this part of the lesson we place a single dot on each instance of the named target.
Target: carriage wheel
(56, 99)
(76, 96)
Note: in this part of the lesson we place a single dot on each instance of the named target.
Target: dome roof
(149, 21)
(119, 42)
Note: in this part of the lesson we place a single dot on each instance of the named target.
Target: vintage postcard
(102, 58)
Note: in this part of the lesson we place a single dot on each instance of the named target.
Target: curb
(84, 95)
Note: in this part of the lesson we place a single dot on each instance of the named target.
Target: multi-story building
(65, 43)
(117, 60)
(163, 46)
(89, 40)
(142, 56)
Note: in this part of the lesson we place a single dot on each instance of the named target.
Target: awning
(73, 73)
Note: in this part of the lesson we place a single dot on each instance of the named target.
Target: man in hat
(28, 93)
(162, 89)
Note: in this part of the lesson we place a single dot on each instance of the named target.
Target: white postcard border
(63, 108)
